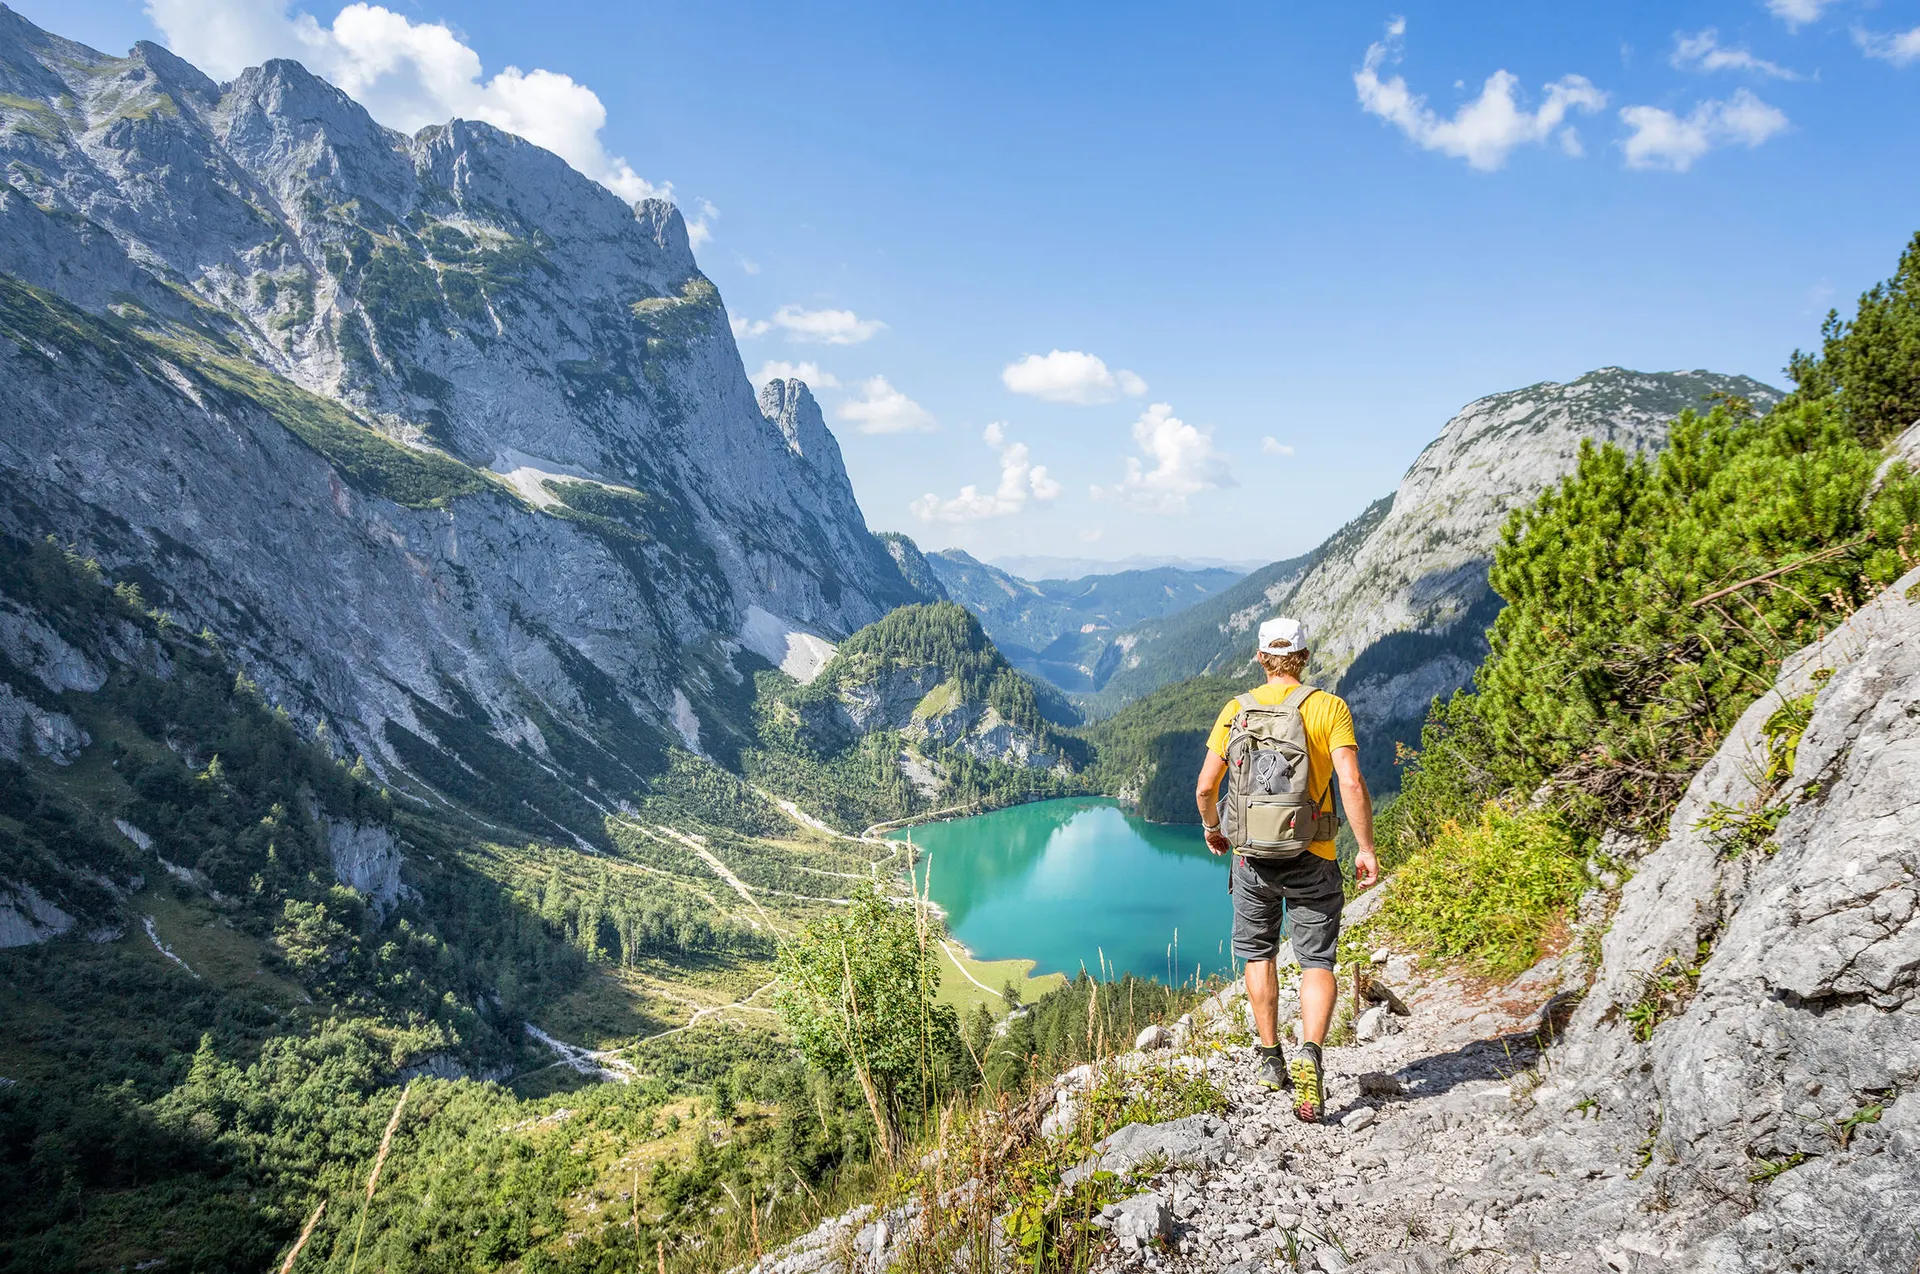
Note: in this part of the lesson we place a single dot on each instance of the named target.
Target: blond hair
(1289, 665)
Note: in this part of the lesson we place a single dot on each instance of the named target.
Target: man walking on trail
(1281, 747)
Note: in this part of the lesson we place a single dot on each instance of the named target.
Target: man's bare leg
(1263, 995)
(1317, 993)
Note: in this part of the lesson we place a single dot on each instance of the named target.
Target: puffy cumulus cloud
(1070, 376)
(746, 328)
(1798, 13)
(1704, 52)
(1484, 131)
(1662, 139)
(1274, 447)
(1179, 461)
(1020, 479)
(816, 376)
(1899, 48)
(825, 327)
(882, 409)
(408, 74)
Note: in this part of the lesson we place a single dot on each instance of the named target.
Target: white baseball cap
(1282, 636)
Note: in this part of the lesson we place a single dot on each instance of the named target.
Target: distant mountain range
(1038, 566)
(1052, 628)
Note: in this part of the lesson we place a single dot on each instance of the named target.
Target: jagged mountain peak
(489, 416)
(176, 73)
(790, 405)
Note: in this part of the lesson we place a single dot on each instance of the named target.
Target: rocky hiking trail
(1720, 1073)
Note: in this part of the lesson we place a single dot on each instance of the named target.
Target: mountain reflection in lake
(1063, 882)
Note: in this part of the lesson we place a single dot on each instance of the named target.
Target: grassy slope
(963, 993)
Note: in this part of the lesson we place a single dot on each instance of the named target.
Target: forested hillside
(915, 712)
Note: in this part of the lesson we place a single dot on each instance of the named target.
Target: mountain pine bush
(1650, 600)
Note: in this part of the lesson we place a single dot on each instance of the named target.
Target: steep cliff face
(1777, 1101)
(1397, 601)
(449, 444)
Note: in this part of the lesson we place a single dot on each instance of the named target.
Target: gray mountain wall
(440, 436)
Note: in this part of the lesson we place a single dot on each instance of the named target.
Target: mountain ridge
(480, 396)
(1051, 628)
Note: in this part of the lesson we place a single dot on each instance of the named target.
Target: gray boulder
(1196, 1141)
(1143, 1219)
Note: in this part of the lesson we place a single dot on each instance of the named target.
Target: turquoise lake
(1064, 882)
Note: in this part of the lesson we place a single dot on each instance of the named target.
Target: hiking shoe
(1309, 1102)
(1270, 1072)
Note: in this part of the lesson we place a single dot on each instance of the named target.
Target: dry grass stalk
(373, 1178)
(286, 1266)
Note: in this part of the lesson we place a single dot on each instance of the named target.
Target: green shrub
(1650, 600)
(1490, 893)
(1870, 364)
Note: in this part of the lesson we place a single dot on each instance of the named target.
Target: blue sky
(1275, 245)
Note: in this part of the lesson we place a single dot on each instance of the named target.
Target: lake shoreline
(1071, 883)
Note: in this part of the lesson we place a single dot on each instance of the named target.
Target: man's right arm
(1359, 806)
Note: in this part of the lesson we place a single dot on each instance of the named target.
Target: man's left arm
(1359, 806)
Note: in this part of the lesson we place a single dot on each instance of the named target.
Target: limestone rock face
(451, 446)
(366, 859)
(790, 405)
(1781, 1106)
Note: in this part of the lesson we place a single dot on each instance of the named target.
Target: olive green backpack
(1268, 809)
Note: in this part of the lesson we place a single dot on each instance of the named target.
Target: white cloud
(1704, 52)
(825, 327)
(1899, 48)
(744, 328)
(1070, 376)
(749, 267)
(1797, 13)
(1484, 131)
(1019, 479)
(700, 228)
(1274, 447)
(1184, 464)
(816, 376)
(407, 74)
(882, 409)
(1662, 139)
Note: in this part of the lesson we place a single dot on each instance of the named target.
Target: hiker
(1281, 746)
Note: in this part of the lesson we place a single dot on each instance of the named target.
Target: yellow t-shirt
(1329, 725)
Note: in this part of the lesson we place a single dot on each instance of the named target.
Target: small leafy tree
(856, 989)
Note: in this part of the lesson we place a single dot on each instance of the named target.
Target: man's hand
(1217, 840)
(1366, 868)
(1359, 806)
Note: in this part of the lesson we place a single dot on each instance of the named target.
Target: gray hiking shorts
(1305, 891)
